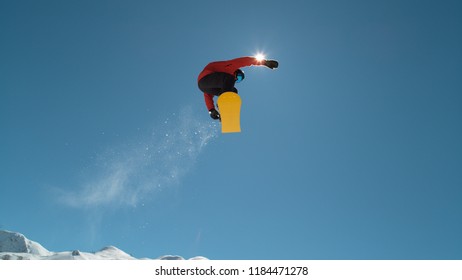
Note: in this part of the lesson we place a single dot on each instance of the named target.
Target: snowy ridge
(18, 243)
(15, 246)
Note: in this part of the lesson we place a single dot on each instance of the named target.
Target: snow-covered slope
(15, 246)
(18, 243)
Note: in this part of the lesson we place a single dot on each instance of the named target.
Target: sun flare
(260, 56)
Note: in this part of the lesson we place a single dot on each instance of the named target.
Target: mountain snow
(15, 246)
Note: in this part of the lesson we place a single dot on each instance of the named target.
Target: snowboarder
(220, 76)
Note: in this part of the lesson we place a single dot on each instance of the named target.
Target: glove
(271, 64)
(214, 114)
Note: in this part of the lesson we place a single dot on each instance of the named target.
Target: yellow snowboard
(229, 105)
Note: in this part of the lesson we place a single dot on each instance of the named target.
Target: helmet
(239, 74)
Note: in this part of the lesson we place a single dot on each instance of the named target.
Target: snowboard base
(229, 105)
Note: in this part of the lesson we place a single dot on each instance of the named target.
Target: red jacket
(227, 66)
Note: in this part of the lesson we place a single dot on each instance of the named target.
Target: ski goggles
(239, 78)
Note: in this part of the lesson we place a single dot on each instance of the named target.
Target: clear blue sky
(350, 150)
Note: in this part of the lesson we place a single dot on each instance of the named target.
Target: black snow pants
(217, 83)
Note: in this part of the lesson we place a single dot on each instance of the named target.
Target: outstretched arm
(244, 62)
(249, 61)
(229, 66)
